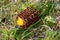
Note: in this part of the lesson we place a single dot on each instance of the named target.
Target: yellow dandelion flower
(20, 21)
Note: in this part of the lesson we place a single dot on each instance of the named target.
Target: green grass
(44, 27)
